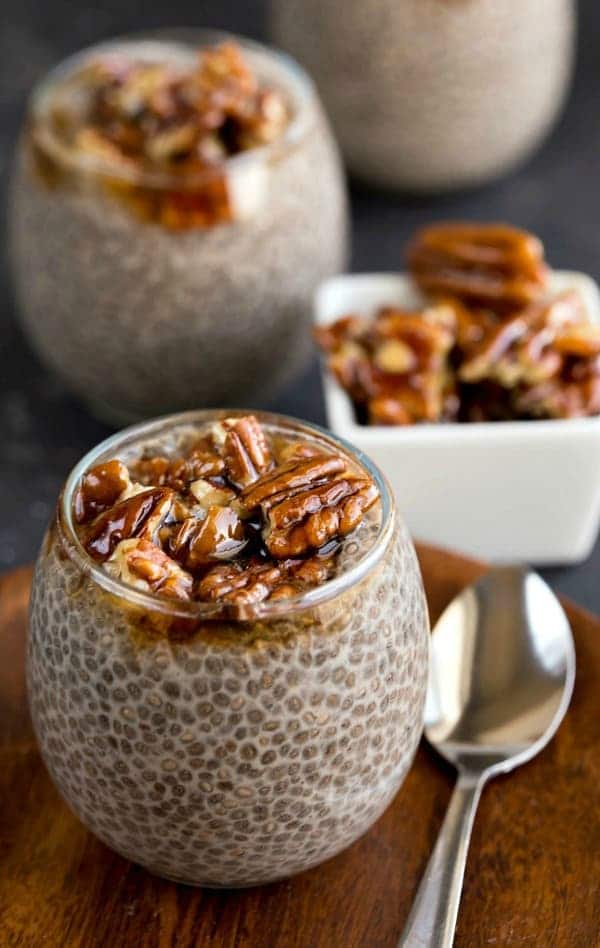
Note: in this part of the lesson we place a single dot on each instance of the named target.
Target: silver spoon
(501, 678)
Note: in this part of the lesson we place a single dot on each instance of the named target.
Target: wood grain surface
(532, 877)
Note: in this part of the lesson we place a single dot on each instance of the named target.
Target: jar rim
(297, 85)
(193, 609)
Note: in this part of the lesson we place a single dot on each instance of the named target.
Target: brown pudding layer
(232, 515)
(491, 342)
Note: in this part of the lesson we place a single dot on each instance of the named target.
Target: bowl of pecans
(473, 380)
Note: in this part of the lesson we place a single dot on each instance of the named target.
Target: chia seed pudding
(204, 253)
(433, 94)
(227, 701)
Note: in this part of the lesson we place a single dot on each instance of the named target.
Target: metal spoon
(501, 678)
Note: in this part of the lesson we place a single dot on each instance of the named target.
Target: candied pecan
(347, 328)
(141, 563)
(234, 582)
(351, 366)
(398, 365)
(294, 475)
(577, 369)
(285, 591)
(246, 451)
(255, 582)
(100, 488)
(557, 398)
(422, 397)
(152, 471)
(582, 339)
(524, 348)
(395, 357)
(138, 516)
(308, 520)
(209, 495)
(298, 449)
(428, 333)
(495, 344)
(219, 536)
(201, 462)
(492, 264)
(388, 410)
(265, 121)
(313, 571)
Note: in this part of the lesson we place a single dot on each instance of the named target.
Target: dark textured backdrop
(44, 430)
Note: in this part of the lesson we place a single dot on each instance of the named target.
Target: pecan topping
(306, 502)
(170, 118)
(555, 399)
(525, 348)
(293, 475)
(100, 488)
(490, 264)
(144, 565)
(179, 472)
(579, 340)
(397, 368)
(246, 584)
(489, 344)
(138, 516)
(220, 536)
(298, 449)
(264, 521)
(246, 452)
(324, 513)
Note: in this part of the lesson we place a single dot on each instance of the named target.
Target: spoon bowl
(501, 674)
(502, 671)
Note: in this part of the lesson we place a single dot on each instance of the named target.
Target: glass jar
(227, 752)
(429, 95)
(139, 318)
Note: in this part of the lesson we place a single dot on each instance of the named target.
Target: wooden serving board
(532, 876)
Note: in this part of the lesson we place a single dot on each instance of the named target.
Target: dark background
(43, 431)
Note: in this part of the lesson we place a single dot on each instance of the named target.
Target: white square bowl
(505, 491)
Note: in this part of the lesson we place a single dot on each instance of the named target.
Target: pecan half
(525, 347)
(256, 581)
(99, 489)
(397, 365)
(144, 565)
(235, 582)
(557, 398)
(220, 536)
(293, 475)
(347, 328)
(491, 264)
(307, 520)
(246, 451)
(138, 516)
(201, 462)
(388, 410)
(298, 449)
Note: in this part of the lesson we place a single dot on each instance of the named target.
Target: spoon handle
(432, 920)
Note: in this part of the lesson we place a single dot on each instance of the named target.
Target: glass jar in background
(429, 95)
(221, 751)
(139, 317)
